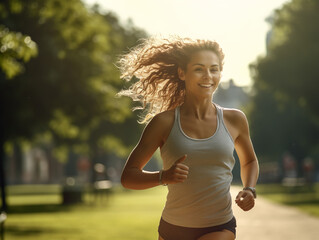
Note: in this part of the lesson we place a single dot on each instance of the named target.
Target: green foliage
(69, 88)
(15, 47)
(290, 67)
(285, 111)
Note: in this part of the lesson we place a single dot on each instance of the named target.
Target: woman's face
(202, 74)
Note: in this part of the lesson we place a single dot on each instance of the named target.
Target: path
(268, 220)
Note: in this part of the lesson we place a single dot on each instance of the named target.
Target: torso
(199, 129)
(203, 199)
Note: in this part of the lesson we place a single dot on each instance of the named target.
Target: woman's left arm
(248, 162)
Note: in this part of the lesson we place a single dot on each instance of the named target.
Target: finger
(181, 159)
(248, 207)
(244, 202)
(181, 179)
(179, 175)
(240, 195)
(182, 167)
(181, 171)
(247, 204)
(246, 199)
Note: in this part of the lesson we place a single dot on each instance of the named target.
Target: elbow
(124, 181)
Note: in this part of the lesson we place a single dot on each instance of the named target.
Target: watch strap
(253, 190)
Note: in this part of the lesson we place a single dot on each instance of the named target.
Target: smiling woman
(175, 79)
(203, 73)
(157, 64)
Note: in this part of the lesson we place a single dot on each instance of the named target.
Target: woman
(175, 80)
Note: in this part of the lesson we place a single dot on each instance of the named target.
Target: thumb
(181, 159)
(240, 195)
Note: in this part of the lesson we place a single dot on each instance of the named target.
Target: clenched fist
(245, 200)
(177, 173)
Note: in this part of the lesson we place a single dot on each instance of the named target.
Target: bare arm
(247, 157)
(154, 136)
(133, 176)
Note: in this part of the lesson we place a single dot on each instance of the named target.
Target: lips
(206, 85)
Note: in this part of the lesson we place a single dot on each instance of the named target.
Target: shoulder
(163, 119)
(160, 125)
(234, 114)
(235, 117)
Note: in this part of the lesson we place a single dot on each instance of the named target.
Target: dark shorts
(172, 232)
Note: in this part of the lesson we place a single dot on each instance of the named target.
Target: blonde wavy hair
(153, 65)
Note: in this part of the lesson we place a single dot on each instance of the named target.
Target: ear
(181, 74)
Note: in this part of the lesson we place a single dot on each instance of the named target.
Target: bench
(3, 217)
(102, 188)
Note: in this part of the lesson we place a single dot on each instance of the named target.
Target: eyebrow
(214, 65)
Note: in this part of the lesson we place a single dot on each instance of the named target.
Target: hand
(245, 200)
(177, 173)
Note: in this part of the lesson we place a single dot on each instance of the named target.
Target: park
(65, 134)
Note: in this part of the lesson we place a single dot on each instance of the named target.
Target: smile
(206, 85)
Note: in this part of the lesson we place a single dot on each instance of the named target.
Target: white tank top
(203, 200)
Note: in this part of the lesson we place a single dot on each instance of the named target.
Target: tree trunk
(2, 173)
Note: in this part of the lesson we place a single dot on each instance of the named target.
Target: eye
(198, 69)
(214, 69)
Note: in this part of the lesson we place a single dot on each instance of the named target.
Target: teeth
(206, 85)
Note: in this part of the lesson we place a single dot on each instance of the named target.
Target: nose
(208, 74)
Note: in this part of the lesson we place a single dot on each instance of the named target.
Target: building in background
(230, 95)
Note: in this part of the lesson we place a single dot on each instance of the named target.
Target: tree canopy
(69, 87)
(58, 77)
(285, 111)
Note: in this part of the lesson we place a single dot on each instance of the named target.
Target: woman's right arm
(133, 177)
(153, 136)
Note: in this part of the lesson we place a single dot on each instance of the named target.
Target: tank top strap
(220, 111)
(177, 113)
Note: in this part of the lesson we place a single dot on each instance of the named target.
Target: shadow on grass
(303, 202)
(33, 231)
(25, 231)
(39, 208)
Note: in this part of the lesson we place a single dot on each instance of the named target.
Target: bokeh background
(65, 136)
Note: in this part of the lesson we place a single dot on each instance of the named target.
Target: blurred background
(65, 137)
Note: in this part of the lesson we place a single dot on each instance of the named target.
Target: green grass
(36, 212)
(127, 215)
(305, 198)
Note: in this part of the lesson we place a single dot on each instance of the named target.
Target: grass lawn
(128, 215)
(36, 212)
(306, 198)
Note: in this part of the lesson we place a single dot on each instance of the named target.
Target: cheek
(217, 77)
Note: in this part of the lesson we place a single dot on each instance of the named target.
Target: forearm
(249, 173)
(137, 179)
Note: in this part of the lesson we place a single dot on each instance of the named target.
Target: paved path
(272, 221)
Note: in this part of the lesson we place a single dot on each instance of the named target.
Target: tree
(285, 111)
(290, 67)
(68, 89)
(14, 48)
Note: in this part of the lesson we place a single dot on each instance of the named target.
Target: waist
(199, 207)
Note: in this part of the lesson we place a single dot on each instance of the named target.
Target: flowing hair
(153, 65)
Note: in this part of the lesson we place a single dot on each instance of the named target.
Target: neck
(198, 108)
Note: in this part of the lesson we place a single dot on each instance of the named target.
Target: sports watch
(253, 190)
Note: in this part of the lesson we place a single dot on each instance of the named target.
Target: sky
(239, 26)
